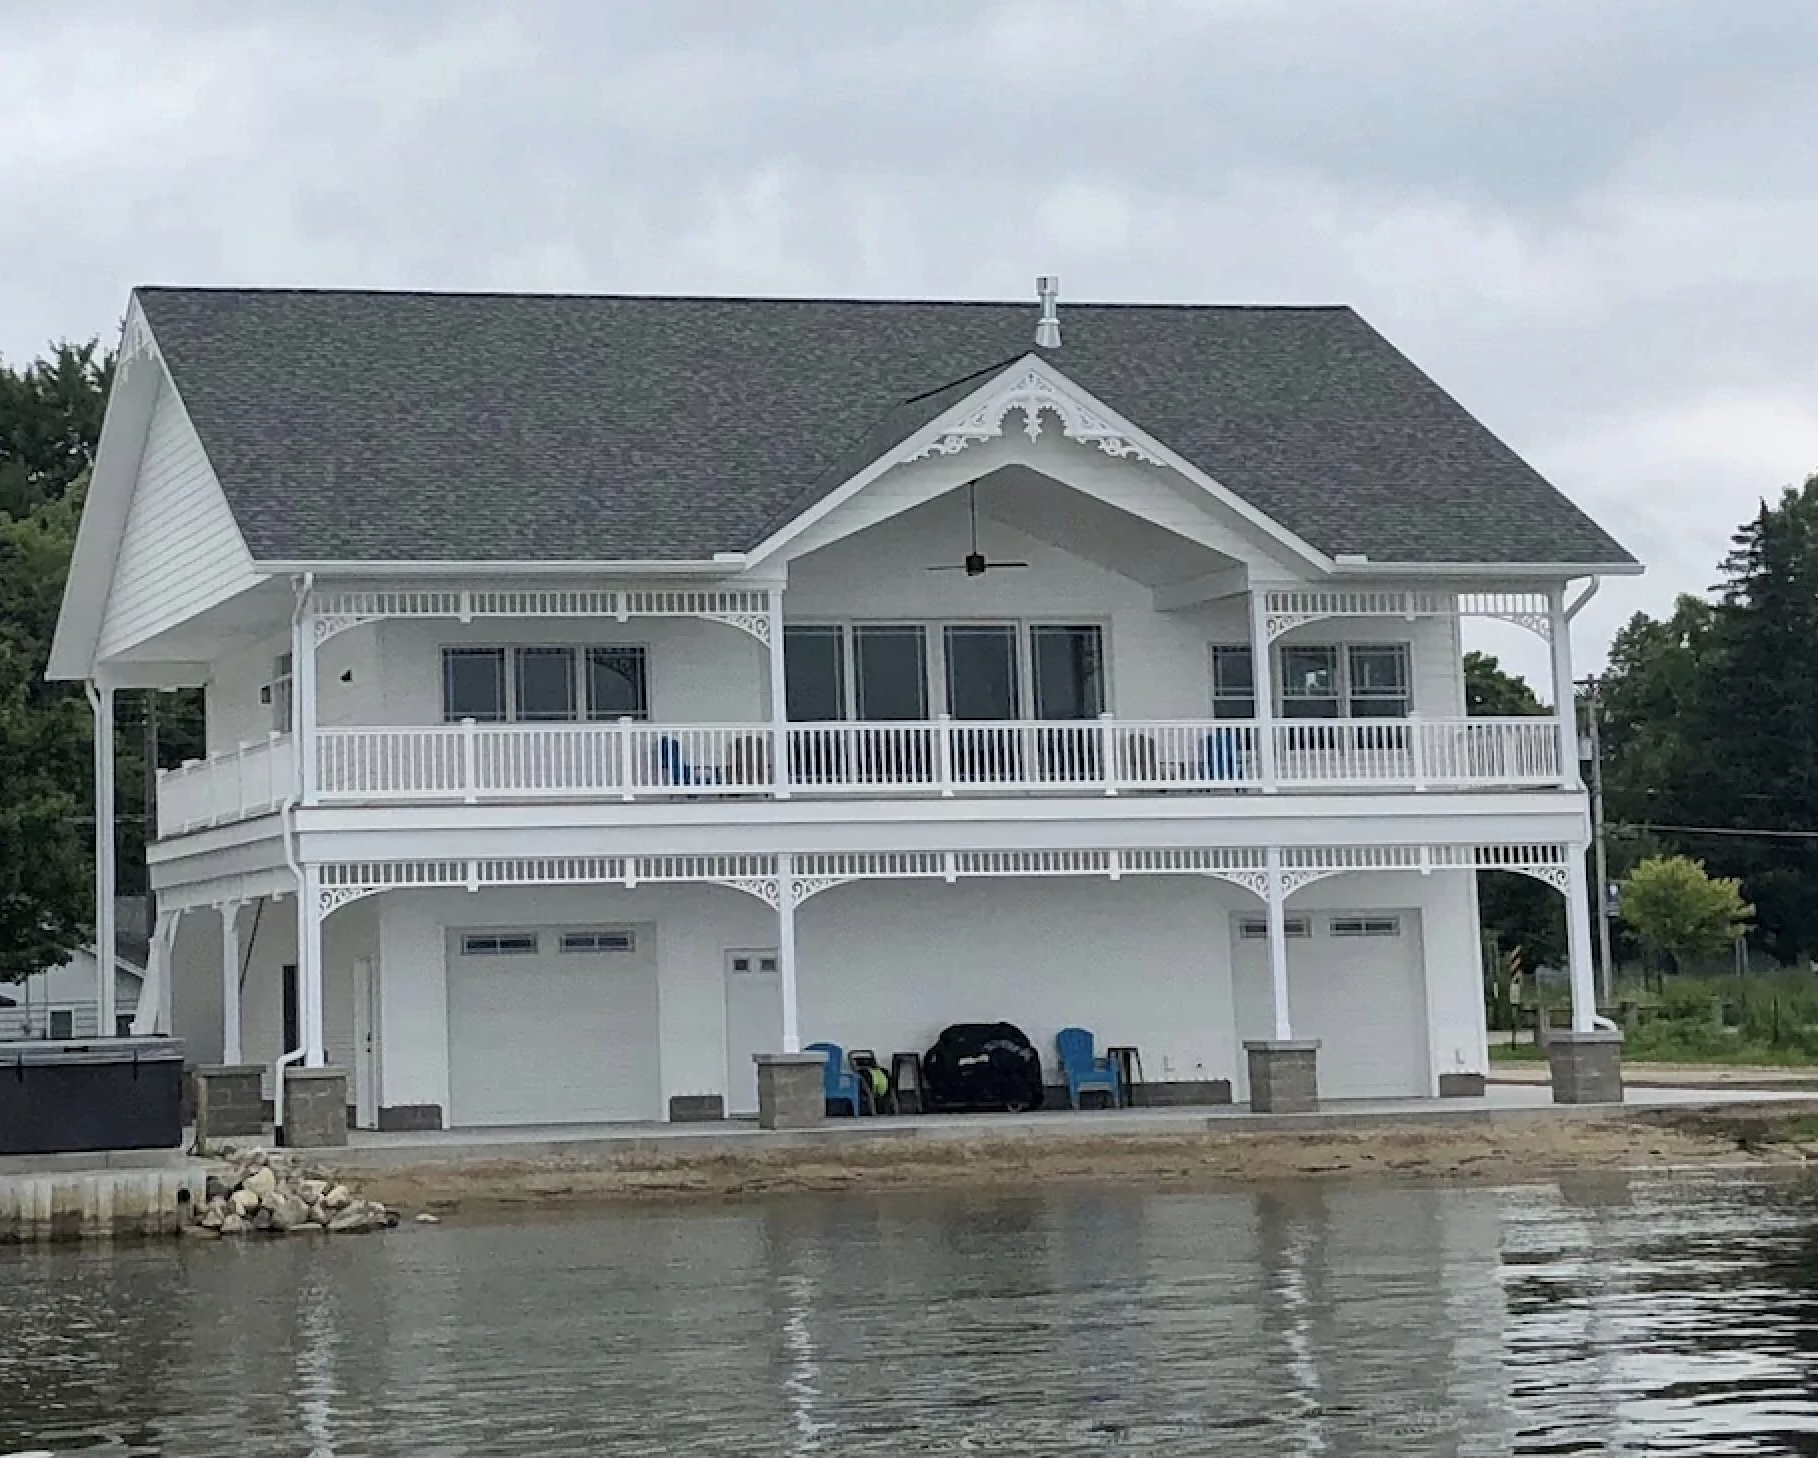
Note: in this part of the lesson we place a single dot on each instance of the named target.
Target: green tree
(50, 428)
(1491, 692)
(1674, 905)
(50, 424)
(45, 736)
(1517, 911)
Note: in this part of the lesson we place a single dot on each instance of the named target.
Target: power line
(1730, 831)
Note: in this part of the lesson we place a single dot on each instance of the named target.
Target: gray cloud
(1591, 222)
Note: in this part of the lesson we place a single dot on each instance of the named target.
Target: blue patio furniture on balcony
(1085, 1071)
(1225, 758)
(840, 1082)
(672, 761)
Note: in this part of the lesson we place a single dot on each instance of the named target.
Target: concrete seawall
(97, 1197)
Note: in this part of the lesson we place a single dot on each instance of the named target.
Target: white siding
(699, 672)
(268, 940)
(887, 965)
(350, 687)
(71, 987)
(181, 552)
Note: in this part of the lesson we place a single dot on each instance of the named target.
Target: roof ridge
(330, 291)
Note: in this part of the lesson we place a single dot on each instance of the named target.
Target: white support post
(1565, 699)
(167, 931)
(1262, 679)
(303, 700)
(309, 969)
(779, 701)
(101, 700)
(230, 982)
(1578, 942)
(785, 950)
(1278, 946)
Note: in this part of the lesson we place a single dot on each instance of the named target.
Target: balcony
(491, 763)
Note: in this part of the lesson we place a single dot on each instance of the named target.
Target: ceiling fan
(974, 564)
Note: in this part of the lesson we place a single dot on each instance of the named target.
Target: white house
(603, 689)
(62, 1002)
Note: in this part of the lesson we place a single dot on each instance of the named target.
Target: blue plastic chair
(1224, 755)
(675, 767)
(1086, 1072)
(839, 1081)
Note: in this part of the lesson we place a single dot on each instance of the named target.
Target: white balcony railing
(475, 763)
(235, 785)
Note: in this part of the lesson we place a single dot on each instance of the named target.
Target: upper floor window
(277, 694)
(544, 684)
(1318, 681)
(1233, 683)
(973, 671)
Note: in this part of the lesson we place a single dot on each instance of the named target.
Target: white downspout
(287, 818)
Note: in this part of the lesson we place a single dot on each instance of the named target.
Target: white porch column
(785, 950)
(1262, 678)
(230, 982)
(101, 700)
(1564, 689)
(1578, 941)
(309, 970)
(779, 702)
(303, 696)
(1278, 947)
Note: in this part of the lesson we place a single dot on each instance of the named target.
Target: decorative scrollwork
(1303, 876)
(806, 886)
(755, 624)
(767, 889)
(332, 626)
(1035, 393)
(332, 898)
(1253, 881)
(1539, 624)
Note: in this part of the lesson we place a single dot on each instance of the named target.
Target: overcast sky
(1595, 221)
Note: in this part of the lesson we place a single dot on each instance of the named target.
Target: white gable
(1031, 415)
(181, 552)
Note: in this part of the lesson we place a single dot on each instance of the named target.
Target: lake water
(1606, 1315)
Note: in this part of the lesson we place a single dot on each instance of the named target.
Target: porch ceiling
(1084, 526)
(246, 618)
(1037, 508)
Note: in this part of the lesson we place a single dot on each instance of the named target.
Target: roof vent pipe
(1047, 289)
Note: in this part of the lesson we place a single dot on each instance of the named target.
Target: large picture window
(984, 672)
(544, 684)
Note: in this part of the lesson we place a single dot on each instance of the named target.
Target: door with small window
(754, 1022)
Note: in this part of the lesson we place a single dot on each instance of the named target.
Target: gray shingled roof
(425, 427)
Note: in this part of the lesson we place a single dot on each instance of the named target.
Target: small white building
(64, 1002)
(602, 690)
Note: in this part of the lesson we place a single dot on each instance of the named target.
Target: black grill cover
(982, 1066)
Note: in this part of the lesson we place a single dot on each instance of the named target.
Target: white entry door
(366, 1043)
(553, 1026)
(754, 1023)
(1356, 982)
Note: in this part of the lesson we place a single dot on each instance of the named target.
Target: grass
(1768, 1020)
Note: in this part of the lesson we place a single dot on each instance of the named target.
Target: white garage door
(552, 1026)
(1356, 982)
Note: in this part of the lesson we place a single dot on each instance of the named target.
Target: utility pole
(1601, 860)
(150, 821)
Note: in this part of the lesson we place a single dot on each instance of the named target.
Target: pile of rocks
(268, 1193)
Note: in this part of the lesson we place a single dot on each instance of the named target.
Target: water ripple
(1609, 1315)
